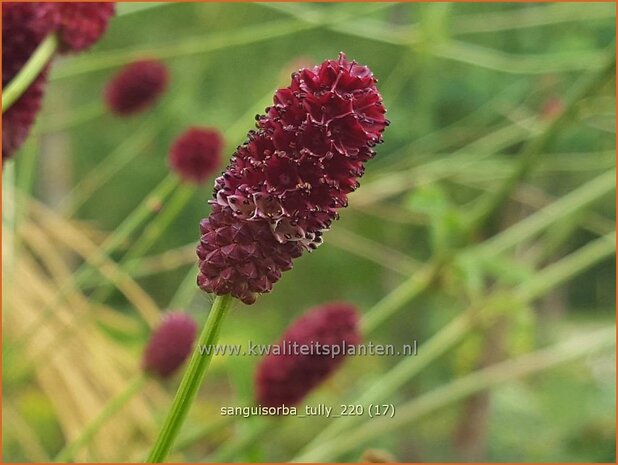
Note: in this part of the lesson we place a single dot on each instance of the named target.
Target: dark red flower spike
(283, 187)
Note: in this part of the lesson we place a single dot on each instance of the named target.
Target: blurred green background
(467, 87)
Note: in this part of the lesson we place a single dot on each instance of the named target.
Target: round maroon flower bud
(283, 187)
(136, 87)
(196, 154)
(170, 344)
(81, 24)
(24, 26)
(286, 378)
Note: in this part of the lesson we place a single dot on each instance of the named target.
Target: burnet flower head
(24, 27)
(170, 345)
(284, 185)
(136, 87)
(196, 154)
(81, 24)
(287, 376)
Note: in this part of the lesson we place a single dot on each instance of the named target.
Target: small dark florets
(136, 87)
(24, 26)
(170, 345)
(287, 379)
(284, 186)
(196, 154)
(81, 24)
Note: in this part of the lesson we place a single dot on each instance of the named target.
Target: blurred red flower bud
(196, 154)
(170, 345)
(287, 378)
(136, 87)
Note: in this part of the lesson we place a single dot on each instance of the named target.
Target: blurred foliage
(467, 85)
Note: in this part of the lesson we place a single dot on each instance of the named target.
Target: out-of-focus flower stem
(230, 451)
(26, 76)
(112, 407)
(131, 261)
(191, 380)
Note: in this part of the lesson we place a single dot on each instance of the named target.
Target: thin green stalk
(131, 261)
(191, 380)
(373, 251)
(110, 165)
(232, 449)
(9, 213)
(461, 388)
(185, 292)
(161, 222)
(569, 266)
(514, 63)
(399, 297)
(26, 76)
(55, 123)
(202, 432)
(538, 221)
(27, 167)
(133, 387)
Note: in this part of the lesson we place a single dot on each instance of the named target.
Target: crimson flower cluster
(136, 87)
(285, 379)
(170, 345)
(24, 26)
(283, 187)
(81, 24)
(196, 154)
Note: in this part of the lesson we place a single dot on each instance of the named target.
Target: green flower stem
(461, 388)
(9, 218)
(191, 437)
(400, 296)
(569, 266)
(26, 174)
(54, 123)
(191, 381)
(538, 221)
(185, 292)
(26, 76)
(122, 155)
(112, 407)
(132, 260)
(232, 449)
